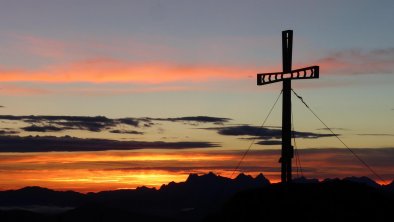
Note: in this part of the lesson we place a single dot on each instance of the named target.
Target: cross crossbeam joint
(311, 72)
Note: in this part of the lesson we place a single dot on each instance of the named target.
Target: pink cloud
(22, 90)
(40, 46)
(73, 63)
(351, 62)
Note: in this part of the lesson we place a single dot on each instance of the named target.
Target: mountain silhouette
(207, 197)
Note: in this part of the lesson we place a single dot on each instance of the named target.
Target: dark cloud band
(73, 144)
(99, 123)
(126, 132)
(268, 136)
(61, 123)
(196, 119)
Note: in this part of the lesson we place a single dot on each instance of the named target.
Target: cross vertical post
(286, 76)
(287, 148)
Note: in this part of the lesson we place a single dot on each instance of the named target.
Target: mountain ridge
(191, 200)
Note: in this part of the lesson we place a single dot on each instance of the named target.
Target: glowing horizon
(111, 170)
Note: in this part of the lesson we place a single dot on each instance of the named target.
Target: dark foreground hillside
(327, 201)
(207, 198)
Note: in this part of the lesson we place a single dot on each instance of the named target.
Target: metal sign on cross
(286, 76)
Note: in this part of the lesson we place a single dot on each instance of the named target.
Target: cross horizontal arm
(311, 72)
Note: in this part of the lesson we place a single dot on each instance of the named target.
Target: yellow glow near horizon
(110, 170)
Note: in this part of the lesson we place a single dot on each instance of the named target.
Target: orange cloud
(105, 70)
(116, 71)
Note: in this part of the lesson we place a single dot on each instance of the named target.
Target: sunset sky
(99, 95)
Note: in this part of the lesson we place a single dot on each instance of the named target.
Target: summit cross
(286, 76)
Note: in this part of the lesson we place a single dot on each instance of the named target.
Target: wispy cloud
(337, 128)
(16, 89)
(375, 134)
(41, 46)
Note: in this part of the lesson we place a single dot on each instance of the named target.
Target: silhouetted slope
(363, 180)
(328, 201)
(305, 180)
(40, 196)
(390, 186)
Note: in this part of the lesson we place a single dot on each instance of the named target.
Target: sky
(99, 95)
